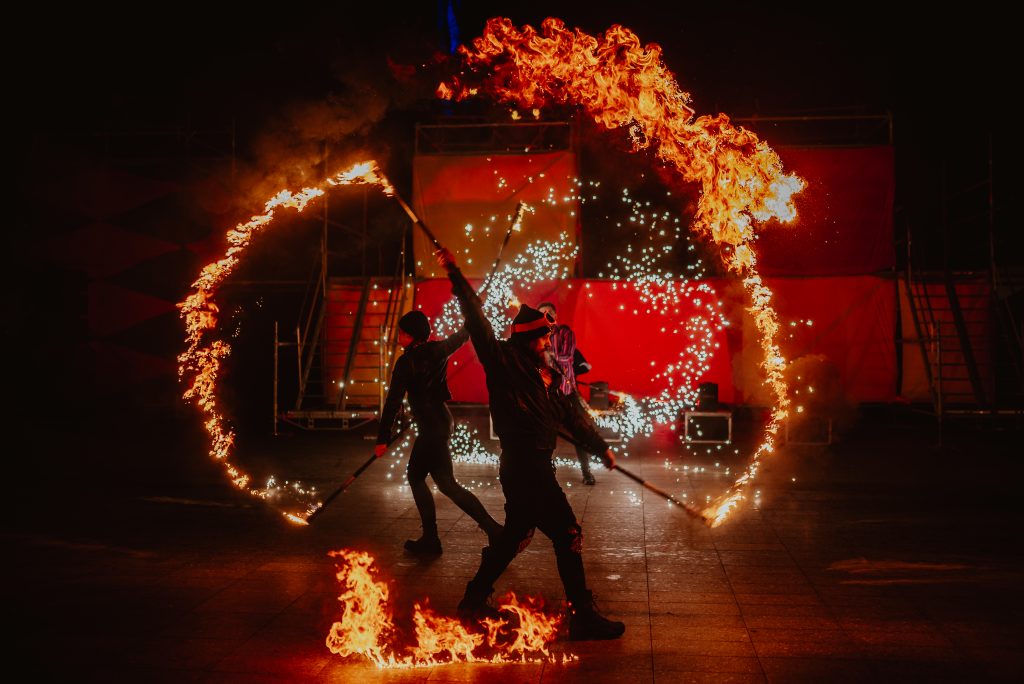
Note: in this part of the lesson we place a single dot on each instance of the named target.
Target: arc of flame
(621, 83)
(200, 364)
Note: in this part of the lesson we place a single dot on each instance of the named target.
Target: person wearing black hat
(570, 362)
(527, 410)
(422, 372)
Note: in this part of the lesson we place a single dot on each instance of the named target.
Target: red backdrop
(831, 267)
(844, 216)
(853, 323)
(452, 192)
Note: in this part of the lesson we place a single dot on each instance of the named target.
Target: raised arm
(451, 343)
(479, 327)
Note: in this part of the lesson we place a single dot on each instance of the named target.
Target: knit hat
(529, 324)
(416, 324)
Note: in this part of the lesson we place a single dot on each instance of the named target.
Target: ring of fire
(621, 85)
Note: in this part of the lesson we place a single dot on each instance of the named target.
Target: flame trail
(367, 627)
(621, 83)
(200, 363)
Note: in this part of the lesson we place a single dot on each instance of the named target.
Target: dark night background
(141, 134)
(176, 93)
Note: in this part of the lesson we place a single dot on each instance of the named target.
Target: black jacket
(526, 415)
(422, 371)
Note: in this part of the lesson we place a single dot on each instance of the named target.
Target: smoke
(310, 138)
(817, 394)
(359, 109)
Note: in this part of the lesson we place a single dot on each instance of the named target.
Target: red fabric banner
(852, 326)
(467, 201)
(844, 222)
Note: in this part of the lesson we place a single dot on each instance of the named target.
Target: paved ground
(879, 558)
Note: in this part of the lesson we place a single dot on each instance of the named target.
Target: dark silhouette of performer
(422, 372)
(527, 409)
(570, 362)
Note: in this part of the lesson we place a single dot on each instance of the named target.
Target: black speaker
(599, 394)
(707, 397)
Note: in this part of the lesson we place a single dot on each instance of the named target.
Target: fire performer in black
(422, 372)
(570, 362)
(527, 409)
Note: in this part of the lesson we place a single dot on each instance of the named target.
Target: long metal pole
(416, 220)
(298, 363)
(517, 218)
(275, 378)
(344, 485)
(690, 509)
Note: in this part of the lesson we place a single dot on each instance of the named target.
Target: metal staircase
(360, 317)
(967, 322)
(346, 345)
(953, 322)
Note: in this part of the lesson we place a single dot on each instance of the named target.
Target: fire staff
(422, 372)
(527, 409)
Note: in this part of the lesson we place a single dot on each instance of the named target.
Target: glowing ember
(622, 84)
(367, 626)
(200, 363)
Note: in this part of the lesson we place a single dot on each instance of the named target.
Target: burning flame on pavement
(623, 84)
(367, 626)
(200, 363)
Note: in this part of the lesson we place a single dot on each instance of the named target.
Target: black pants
(584, 458)
(432, 456)
(534, 500)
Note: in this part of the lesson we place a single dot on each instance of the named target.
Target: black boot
(426, 545)
(585, 623)
(474, 606)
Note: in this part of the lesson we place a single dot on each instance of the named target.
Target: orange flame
(201, 361)
(622, 84)
(367, 626)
